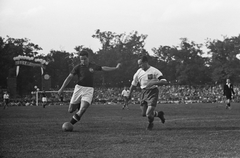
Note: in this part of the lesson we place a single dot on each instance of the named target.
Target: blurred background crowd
(169, 94)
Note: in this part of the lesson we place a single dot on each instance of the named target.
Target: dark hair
(144, 58)
(83, 53)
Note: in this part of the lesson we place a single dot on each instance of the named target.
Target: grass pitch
(106, 131)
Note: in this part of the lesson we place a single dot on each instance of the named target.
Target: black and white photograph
(119, 78)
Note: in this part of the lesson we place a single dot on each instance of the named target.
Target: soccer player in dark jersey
(149, 78)
(83, 91)
(228, 92)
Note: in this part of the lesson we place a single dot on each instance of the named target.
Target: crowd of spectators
(195, 94)
(167, 94)
(171, 94)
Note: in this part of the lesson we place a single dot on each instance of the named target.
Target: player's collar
(85, 65)
(147, 69)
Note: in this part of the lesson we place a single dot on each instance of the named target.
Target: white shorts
(82, 93)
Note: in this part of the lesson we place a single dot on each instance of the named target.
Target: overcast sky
(64, 24)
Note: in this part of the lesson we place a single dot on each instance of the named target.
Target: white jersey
(44, 99)
(143, 77)
(6, 96)
(125, 93)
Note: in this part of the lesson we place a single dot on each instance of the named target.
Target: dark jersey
(228, 91)
(85, 74)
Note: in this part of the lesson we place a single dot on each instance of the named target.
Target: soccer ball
(67, 127)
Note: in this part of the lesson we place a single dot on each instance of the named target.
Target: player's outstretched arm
(107, 68)
(157, 82)
(65, 83)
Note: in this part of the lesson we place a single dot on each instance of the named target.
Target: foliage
(183, 64)
(223, 61)
(119, 48)
(60, 68)
(11, 48)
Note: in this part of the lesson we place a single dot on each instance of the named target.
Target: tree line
(186, 64)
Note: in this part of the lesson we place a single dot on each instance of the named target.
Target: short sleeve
(158, 73)
(135, 79)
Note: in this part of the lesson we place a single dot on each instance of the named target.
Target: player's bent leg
(83, 108)
(150, 116)
(123, 106)
(160, 114)
(44, 104)
(73, 107)
(228, 103)
(150, 112)
(126, 105)
(143, 108)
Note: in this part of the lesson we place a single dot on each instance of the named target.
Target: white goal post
(40, 92)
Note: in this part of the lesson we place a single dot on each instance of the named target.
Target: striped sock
(150, 119)
(75, 119)
(155, 113)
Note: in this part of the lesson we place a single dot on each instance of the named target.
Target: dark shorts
(149, 97)
(6, 101)
(125, 99)
(229, 96)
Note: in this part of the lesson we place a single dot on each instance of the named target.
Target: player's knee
(149, 116)
(83, 109)
(144, 114)
(70, 110)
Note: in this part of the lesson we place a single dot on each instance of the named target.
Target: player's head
(143, 63)
(228, 80)
(83, 55)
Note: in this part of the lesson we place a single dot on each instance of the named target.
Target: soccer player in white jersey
(5, 99)
(125, 94)
(149, 78)
(83, 91)
(44, 99)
